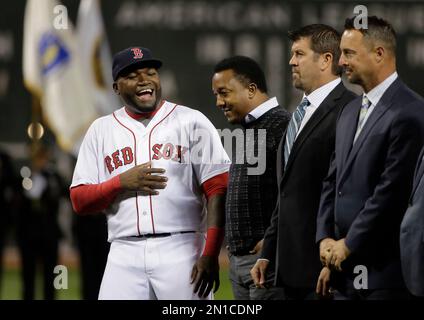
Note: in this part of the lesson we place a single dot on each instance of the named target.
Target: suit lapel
(418, 173)
(280, 160)
(323, 109)
(380, 109)
(347, 126)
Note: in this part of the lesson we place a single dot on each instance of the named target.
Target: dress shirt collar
(317, 96)
(260, 110)
(377, 92)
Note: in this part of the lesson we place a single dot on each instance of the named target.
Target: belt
(160, 235)
(239, 252)
(242, 253)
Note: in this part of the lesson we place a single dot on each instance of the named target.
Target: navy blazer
(366, 192)
(412, 235)
(293, 224)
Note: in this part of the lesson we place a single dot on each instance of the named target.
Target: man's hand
(204, 274)
(258, 272)
(144, 179)
(339, 253)
(257, 248)
(323, 283)
(325, 247)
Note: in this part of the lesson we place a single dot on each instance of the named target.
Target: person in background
(90, 232)
(38, 231)
(8, 191)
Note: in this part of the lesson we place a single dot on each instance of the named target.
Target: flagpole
(34, 131)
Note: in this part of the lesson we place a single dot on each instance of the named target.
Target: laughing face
(140, 89)
(231, 95)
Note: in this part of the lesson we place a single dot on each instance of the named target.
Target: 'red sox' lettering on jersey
(169, 151)
(119, 158)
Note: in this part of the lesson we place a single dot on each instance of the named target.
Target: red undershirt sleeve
(215, 235)
(215, 185)
(93, 198)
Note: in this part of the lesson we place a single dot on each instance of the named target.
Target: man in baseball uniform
(155, 168)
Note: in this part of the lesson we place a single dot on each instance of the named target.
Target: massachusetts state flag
(53, 72)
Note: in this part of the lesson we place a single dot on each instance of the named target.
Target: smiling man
(378, 139)
(146, 167)
(241, 93)
(130, 66)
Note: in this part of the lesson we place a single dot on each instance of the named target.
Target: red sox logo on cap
(138, 54)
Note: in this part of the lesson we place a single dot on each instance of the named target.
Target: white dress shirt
(376, 93)
(315, 99)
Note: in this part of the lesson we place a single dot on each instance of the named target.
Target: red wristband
(214, 238)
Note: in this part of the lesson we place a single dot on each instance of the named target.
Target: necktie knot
(304, 104)
(249, 118)
(365, 102)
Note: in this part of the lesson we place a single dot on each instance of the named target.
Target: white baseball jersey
(178, 139)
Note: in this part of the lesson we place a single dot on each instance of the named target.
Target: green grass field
(11, 286)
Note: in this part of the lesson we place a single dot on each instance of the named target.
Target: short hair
(378, 30)
(323, 39)
(246, 70)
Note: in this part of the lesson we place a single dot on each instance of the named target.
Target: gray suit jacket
(412, 235)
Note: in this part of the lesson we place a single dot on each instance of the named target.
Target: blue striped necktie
(293, 127)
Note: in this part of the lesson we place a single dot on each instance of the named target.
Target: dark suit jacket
(412, 235)
(293, 225)
(366, 193)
